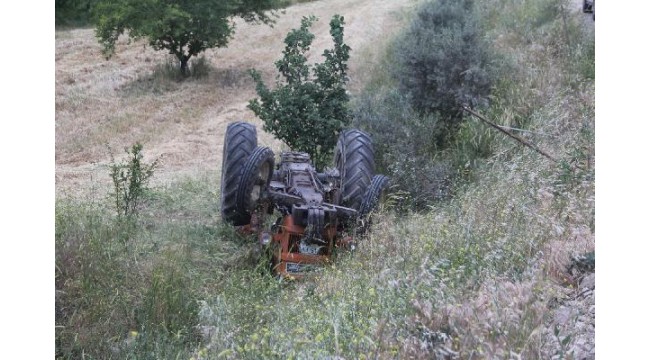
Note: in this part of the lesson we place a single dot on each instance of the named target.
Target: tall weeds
(131, 289)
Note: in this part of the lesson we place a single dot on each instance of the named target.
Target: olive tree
(444, 59)
(185, 28)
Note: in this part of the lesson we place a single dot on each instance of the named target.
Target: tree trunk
(184, 69)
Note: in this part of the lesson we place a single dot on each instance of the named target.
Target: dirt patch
(104, 106)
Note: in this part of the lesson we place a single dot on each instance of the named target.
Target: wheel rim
(338, 161)
(261, 180)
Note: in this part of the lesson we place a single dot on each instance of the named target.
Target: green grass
(473, 277)
(115, 276)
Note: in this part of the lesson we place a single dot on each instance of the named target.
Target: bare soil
(111, 104)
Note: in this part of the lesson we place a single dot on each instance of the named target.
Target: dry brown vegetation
(125, 99)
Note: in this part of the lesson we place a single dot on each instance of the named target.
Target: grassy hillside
(482, 274)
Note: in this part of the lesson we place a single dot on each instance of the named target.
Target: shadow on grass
(166, 77)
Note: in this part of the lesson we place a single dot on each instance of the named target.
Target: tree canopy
(185, 28)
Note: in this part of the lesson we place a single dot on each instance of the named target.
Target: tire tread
(239, 142)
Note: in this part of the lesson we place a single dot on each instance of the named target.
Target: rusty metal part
(288, 260)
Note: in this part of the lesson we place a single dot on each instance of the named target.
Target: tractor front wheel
(354, 158)
(374, 195)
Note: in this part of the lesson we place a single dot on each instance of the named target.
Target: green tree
(309, 109)
(185, 28)
(444, 60)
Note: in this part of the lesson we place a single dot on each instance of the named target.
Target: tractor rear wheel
(354, 158)
(255, 178)
(239, 142)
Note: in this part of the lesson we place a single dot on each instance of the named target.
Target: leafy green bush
(443, 62)
(309, 109)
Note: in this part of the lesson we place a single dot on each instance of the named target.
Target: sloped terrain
(114, 103)
(503, 270)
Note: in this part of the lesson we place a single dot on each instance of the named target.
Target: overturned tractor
(318, 211)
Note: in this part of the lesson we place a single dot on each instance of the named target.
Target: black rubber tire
(239, 142)
(255, 178)
(593, 10)
(374, 194)
(354, 158)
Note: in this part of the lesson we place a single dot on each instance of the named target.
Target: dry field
(102, 104)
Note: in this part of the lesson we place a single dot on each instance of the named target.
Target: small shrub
(130, 181)
(309, 109)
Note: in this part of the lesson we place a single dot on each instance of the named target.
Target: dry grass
(124, 100)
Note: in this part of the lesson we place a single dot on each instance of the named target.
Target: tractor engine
(307, 229)
(298, 178)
